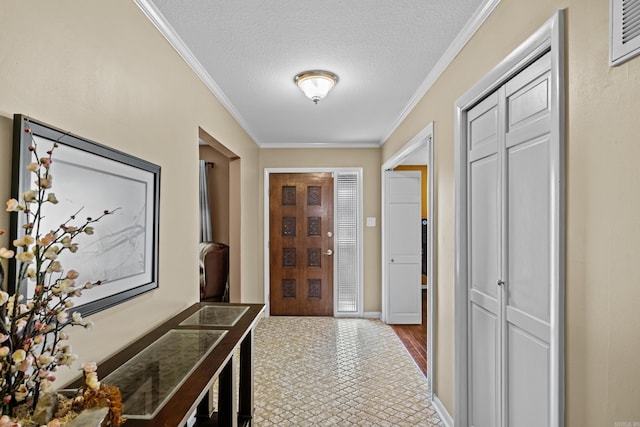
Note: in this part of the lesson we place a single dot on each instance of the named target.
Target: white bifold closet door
(510, 231)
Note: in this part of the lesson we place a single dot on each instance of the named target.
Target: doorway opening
(224, 203)
(418, 152)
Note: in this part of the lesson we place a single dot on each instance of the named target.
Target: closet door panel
(483, 125)
(529, 95)
(483, 129)
(484, 226)
(527, 247)
(483, 256)
(528, 229)
(483, 354)
(527, 388)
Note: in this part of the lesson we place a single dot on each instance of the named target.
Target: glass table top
(151, 377)
(215, 315)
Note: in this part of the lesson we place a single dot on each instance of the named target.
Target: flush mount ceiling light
(316, 84)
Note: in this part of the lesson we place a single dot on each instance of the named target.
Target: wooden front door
(301, 244)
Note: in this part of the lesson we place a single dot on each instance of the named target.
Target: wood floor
(414, 337)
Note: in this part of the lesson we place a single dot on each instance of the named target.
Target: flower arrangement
(33, 337)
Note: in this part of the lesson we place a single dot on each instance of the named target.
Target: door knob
(329, 234)
(329, 252)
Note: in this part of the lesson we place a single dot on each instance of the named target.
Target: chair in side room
(214, 272)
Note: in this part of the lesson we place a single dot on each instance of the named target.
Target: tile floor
(336, 372)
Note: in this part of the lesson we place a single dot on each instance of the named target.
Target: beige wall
(602, 222)
(369, 160)
(103, 71)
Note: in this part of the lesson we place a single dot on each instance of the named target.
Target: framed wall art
(88, 179)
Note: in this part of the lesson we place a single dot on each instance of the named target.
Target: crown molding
(470, 28)
(320, 145)
(154, 15)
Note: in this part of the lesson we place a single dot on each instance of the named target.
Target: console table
(166, 375)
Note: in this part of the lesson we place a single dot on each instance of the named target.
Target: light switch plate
(371, 221)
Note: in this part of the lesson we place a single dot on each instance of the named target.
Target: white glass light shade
(316, 84)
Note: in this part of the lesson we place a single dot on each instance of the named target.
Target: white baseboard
(442, 411)
(372, 314)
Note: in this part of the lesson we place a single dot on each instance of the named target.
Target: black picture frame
(89, 172)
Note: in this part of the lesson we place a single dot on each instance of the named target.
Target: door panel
(404, 304)
(529, 103)
(482, 126)
(301, 244)
(404, 246)
(528, 388)
(529, 95)
(483, 258)
(484, 333)
(528, 237)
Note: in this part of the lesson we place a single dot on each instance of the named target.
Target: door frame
(424, 138)
(549, 37)
(267, 230)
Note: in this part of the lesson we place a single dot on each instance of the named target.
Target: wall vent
(624, 34)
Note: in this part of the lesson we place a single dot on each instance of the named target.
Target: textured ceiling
(250, 50)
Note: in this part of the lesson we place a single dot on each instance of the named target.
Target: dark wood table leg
(227, 409)
(203, 413)
(245, 413)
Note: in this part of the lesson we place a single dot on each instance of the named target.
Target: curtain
(206, 233)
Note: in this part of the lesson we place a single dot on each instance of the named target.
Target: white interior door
(510, 208)
(403, 253)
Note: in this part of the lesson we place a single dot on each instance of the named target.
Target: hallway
(336, 372)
